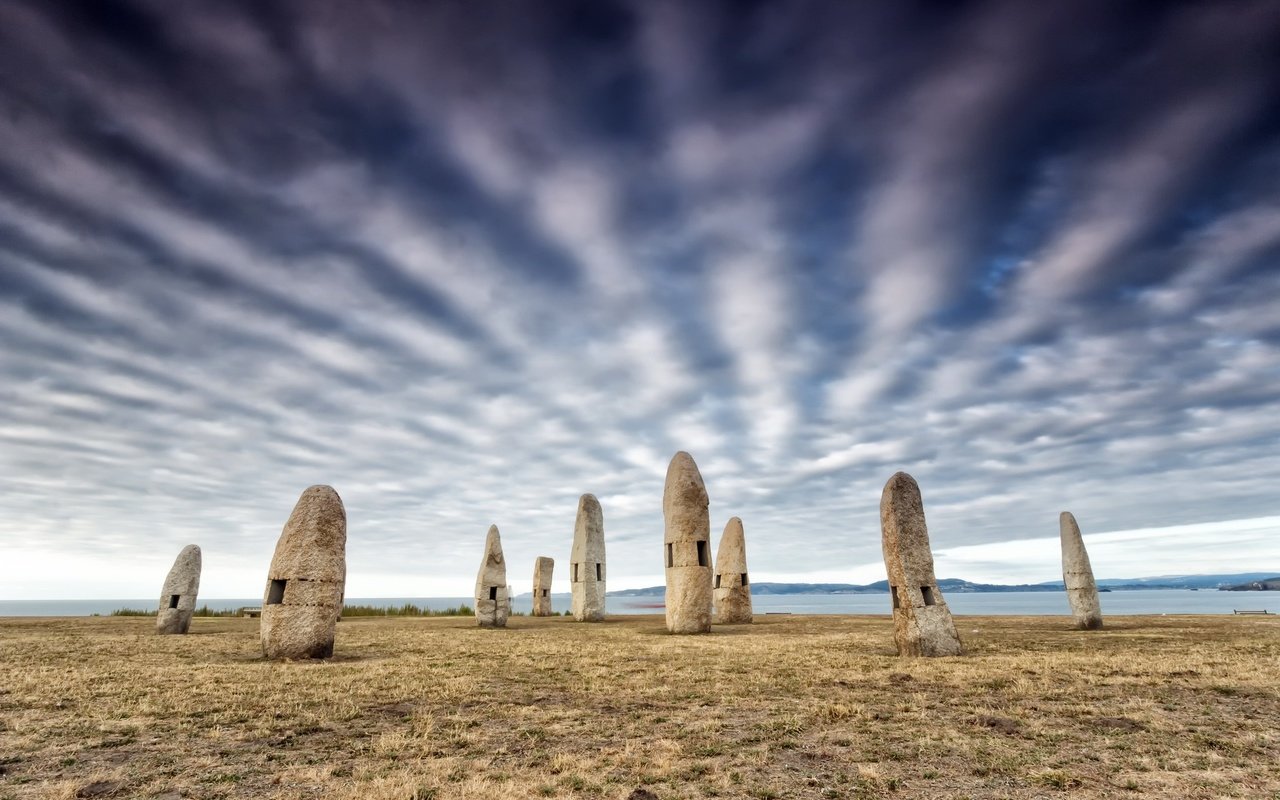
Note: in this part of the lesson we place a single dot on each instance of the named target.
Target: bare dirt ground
(789, 707)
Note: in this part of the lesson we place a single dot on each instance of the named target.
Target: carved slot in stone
(575, 573)
(717, 581)
(599, 571)
(703, 561)
(670, 561)
(927, 593)
(744, 579)
(894, 591)
(276, 596)
(493, 592)
(173, 600)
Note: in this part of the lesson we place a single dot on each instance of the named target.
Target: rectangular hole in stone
(928, 595)
(703, 561)
(670, 561)
(744, 579)
(599, 571)
(544, 592)
(893, 590)
(173, 600)
(574, 578)
(275, 596)
(717, 581)
(493, 592)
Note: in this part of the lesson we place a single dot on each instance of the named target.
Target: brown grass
(790, 707)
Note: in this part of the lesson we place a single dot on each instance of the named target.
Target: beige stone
(493, 596)
(922, 623)
(732, 586)
(542, 569)
(586, 561)
(307, 579)
(178, 595)
(687, 547)
(1077, 575)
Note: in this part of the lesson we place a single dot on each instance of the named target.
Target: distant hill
(1264, 585)
(954, 585)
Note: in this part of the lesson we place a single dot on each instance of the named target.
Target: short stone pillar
(586, 561)
(542, 569)
(306, 582)
(922, 623)
(178, 595)
(686, 547)
(493, 599)
(1077, 575)
(732, 586)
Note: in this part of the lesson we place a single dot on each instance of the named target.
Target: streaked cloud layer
(466, 261)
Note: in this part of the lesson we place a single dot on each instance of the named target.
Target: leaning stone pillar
(1077, 575)
(305, 585)
(922, 624)
(178, 595)
(687, 547)
(732, 586)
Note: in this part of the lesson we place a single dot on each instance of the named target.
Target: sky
(464, 261)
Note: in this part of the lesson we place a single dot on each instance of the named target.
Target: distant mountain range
(1235, 582)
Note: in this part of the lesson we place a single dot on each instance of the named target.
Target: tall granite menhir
(542, 569)
(1077, 575)
(732, 588)
(586, 561)
(687, 547)
(493, 599)
(922, 623)
(307, 580)
(178, 596)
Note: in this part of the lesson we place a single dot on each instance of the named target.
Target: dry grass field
(790, 707)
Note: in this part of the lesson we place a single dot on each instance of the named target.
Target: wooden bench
(1239, 611)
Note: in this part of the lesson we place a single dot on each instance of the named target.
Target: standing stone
(687, 540)
(732, 588)
(922, 624)
(542, 568)
(307, 580)
(1077, 575)
(586, 562)
(493, 597)
(178, 596)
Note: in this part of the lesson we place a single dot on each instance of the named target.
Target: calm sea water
(1144, 601)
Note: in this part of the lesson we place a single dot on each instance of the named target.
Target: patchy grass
(790, 707)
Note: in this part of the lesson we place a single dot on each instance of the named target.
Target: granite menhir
(493, 599)
(687, 546)
(732, 588)
(1077, 575)
(307, 579)
(922, 623)
(178, 596)
(542, 569)
(586, 561)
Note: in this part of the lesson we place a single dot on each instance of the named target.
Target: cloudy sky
(465, 261)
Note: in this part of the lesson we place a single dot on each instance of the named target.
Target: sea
(1136, 601)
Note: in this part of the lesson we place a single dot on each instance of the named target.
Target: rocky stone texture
(732, 586)
(493, 597)
(1077, 574)
(542, 569)
(586, 561)
(178, 595)
(922, 623)
(307, 579)
(687, 547)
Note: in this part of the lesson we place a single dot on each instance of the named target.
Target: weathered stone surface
(732, 586)
(922, 623)
(493, 596)
(178, 595)
(1077, 574)
(307, 579)
(687, 547)
(542, 569)
(586, 562)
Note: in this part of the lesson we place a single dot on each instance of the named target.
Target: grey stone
(542, 569)
(178, 595)
(493, 596)
(307, 579)
(586, 562)
(732, 586)
(922, 623)
(1077, 575)
(687, 547)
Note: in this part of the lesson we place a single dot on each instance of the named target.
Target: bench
(1240, 611)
